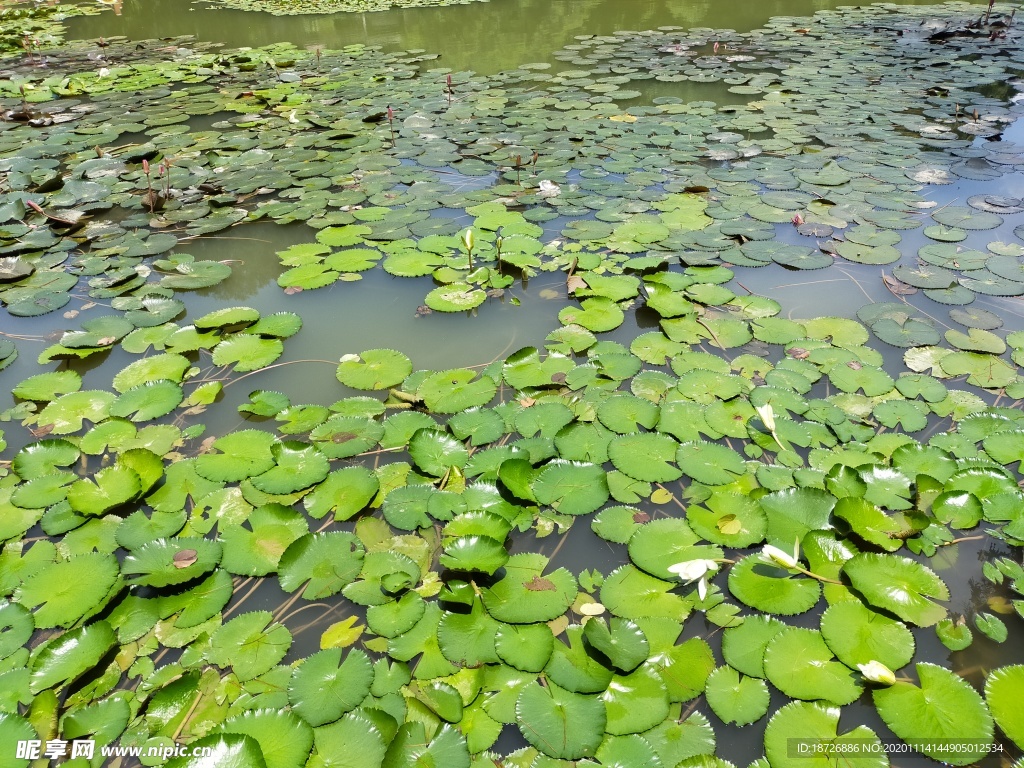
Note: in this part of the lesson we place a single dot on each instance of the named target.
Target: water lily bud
(877, 672)
(782, 558)
(145, 165)
(468, 239)
(767, 415)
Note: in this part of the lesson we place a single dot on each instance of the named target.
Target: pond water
(689, 164)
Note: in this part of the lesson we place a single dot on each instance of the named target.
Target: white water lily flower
(767, 415)
(692, 570)
(783, 558)
(549, 188)
(877, 672)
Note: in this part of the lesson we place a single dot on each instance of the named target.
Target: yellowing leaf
(342, 634)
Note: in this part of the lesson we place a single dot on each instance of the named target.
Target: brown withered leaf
(539, 584)
(641, 517)
(183, 558)
(574, 283)
(897, 287)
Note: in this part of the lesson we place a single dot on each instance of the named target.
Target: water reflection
(482, 36)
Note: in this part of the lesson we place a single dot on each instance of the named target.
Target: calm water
(482, 36)
(381, 311)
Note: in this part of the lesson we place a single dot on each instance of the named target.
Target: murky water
(485, 37)
(381, 311)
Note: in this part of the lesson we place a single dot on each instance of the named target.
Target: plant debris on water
(785, 502)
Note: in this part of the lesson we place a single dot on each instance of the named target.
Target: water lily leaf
(646, 456)
(966, 218)
(526, 594)
(526, 647)
(624, 413)
(758, 582)
(250, 644)
(818, 723)
(71, 655)
(793, 512)
(743, 646)
(256, 550)
(148, 401)
(284, 738)
(632, 594)
(343, 436)
(324, 562)
(955, 635)
(958, 509)
(976, 340)
(67, 413)
(436, 452)
(44, 387)
(163, 562)
(597, 314)
(710, 463)
(662, 543)
(622, 642)
(991, 626)
(735, 698)
(1004, 688)
(247, 352)
(324, 687)
(857, 635)
(944, 710)
(854, 376)
(456, 297)
(230, 750)
(798, 663)
(474, 553)
(242, 454)
(467, 639)
(374, 369)
(345, 492)
(62, 593)
(563, 725)
(298, 466)
(455, 390)
(16, 627)
(44, 457)
(635, 702)
(899, 585)
(571, 487)
(38, 303)
(15, 730)
(109, 488)
(870, 523)
(192, 275)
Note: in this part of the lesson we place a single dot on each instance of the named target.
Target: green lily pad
(374, 369)
(563, 725)
(944, 710)
(899, 585)
(1003, 690)
(735, 698)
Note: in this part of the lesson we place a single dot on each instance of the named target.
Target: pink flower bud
(391, 113)
(797, 219)
(145, 165)
(35, 207)
(716, 48)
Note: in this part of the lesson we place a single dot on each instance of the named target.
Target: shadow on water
(485, 37)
